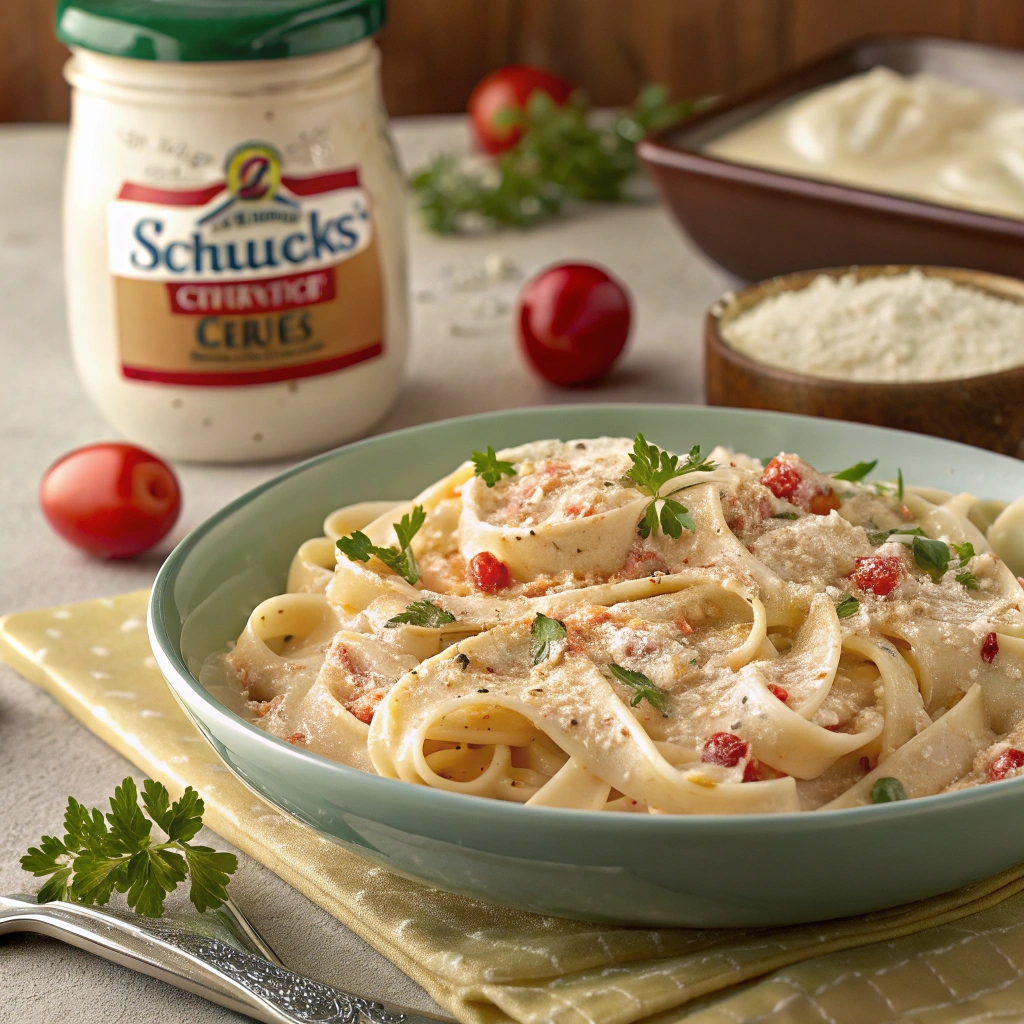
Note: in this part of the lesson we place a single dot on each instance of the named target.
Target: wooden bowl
(986, 411)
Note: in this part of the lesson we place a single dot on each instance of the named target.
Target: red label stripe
(170, 196)
(321, 182)
(300, 186)
(237, 378)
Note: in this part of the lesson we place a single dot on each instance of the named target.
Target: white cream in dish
(893, 328)
(919, 136)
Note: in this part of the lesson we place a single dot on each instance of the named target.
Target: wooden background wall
(435, 50)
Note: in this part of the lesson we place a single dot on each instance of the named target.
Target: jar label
(259, 278)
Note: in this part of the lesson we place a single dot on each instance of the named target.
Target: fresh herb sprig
(642, 687)
(560, 156)
(544, 632)
(490, 468)
(653, 468)
(421, 613)
(401, 560)
(855, 473)
(101, 853)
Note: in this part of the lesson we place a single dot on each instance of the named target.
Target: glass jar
(234, 230)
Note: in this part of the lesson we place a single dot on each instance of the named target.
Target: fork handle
(207, 967)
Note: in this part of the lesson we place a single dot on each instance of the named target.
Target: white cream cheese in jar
(234, 227)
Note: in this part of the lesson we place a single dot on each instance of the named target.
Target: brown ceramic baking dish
(986, 411)
(758, 223)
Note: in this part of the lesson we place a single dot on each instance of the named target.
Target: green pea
(886, 790)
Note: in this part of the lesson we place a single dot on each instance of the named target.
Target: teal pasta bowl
(691, 870)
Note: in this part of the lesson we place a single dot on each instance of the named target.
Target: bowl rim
(186, 688)
(798, 280)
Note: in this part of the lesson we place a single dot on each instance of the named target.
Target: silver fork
(217, 955)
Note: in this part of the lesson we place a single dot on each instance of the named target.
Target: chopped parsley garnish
(100, 853)
(965, 552)
(490, 468)
(401, 560)
(642, 687)
(847, 607)
(886, 790)
(786, 515)
(422, 613)
(544, 632)
(899, 484)
(855, 473)
(931, 555)
(881, 536)
(652, 468)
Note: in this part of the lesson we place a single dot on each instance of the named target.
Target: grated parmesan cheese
(892, 328)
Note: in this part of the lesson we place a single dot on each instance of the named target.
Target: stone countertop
(460, 319)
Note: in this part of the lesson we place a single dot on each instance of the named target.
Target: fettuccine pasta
(599, 624)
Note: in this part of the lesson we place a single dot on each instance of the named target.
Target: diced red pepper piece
(877, 573)
(489, 574)
(724, 748)
(989, 648)
(755, 771)
(779, 692)
(781, 479)
(1006, 762)
(865, 764)
(823, 504)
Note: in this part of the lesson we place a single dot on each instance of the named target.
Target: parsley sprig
(561, 156)
(490, 468)
(401, 560)
(653, 468)
(642, 687)
(421, 613)
(544, 632)
(101, 853)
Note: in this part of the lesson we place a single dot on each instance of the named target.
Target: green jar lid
(216, 30)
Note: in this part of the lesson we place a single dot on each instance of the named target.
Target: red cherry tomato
(573, 322)
(112, 500)
(509, 88)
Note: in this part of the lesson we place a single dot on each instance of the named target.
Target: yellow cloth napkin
(947, 960)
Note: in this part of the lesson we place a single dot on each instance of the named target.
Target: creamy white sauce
(920, 136)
